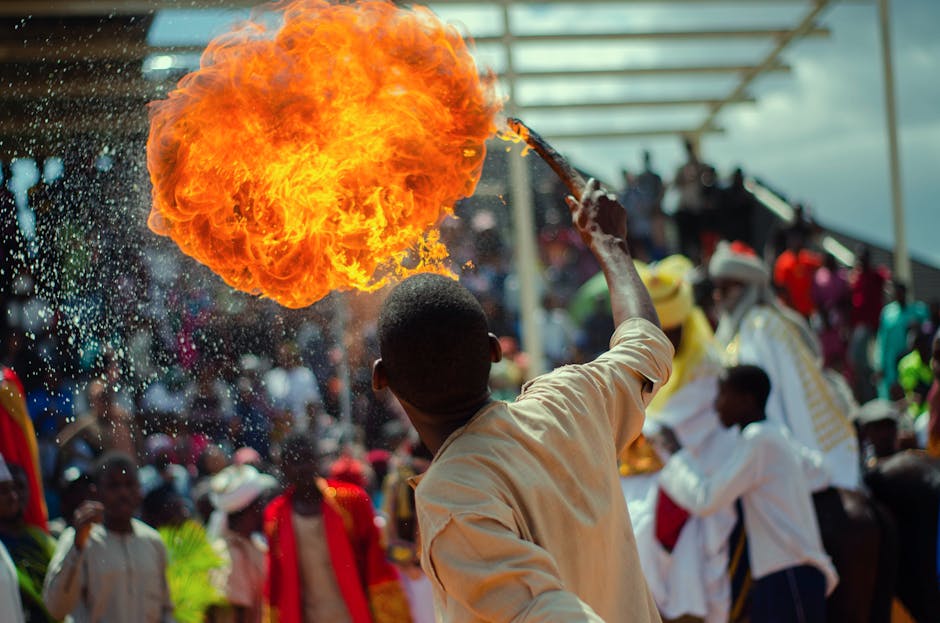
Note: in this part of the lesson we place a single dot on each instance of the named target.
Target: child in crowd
(774, 476)
(109, 566)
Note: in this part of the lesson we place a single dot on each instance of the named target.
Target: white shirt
(115, 577)
(772, 474)
(11, 607)
(801, 397)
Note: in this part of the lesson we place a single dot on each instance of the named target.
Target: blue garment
(48, 409)
(892, 340)
(792, 595)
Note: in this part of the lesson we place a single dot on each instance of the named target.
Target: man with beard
(110, 566)
(754, 328)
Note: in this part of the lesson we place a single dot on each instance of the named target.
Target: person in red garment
(794, 272)
(18, 445)
(325, 559)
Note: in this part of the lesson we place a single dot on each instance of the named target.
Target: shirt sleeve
(482, 564)
(166, 610)
(814, 466)
(703, 495)
(618, 385)
(62, 588)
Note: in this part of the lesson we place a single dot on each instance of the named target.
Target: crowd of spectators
(123, 344)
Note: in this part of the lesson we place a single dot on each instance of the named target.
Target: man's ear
(379, 378)
(496, 350)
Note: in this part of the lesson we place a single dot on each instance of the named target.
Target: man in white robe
(756, 329)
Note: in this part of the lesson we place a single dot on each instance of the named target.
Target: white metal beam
(523, 228)
(648, 103)
(95, 50)
(806, 25)
(665, 70)
(653, 35)
(902, 259)
(628, 134)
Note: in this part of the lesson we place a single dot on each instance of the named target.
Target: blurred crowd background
(121, 343)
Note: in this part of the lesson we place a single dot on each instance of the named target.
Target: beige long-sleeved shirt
(521, 513)
(115, 577)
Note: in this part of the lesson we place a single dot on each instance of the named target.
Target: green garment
(915, 377)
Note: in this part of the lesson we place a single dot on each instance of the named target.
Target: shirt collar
(415, 480)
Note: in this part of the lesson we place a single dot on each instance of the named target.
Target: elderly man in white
(755, 328)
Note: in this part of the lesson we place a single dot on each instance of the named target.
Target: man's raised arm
(602, 223)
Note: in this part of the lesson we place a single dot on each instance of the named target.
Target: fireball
(322, 153)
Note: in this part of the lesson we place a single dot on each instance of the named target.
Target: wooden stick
(568, 174)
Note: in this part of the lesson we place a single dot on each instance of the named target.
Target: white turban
(234, 488)
(877, 410)
(738, 262)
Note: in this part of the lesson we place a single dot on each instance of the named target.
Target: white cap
(237, 486)
(877, 410)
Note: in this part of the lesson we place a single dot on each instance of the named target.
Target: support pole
(526, 261)
(902, 260)
(524, 243)
(340, 324)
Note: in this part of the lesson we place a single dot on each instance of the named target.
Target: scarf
(367, 582)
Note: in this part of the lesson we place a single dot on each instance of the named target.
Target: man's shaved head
(434, 342)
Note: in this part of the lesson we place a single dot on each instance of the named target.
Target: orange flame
(322, 154)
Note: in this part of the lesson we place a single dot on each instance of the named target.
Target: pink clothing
(831, 293)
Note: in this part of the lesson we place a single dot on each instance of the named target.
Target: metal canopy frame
(122, 89)
(782, 37)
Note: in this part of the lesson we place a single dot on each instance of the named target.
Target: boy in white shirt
(774, 476)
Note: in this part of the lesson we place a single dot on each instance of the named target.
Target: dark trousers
(793, 595)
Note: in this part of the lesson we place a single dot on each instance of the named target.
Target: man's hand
(598, 214)
(86, 515)
(602, 223)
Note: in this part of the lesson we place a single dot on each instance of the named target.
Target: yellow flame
(321, 154)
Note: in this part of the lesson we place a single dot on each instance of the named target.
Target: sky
(817, 134)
